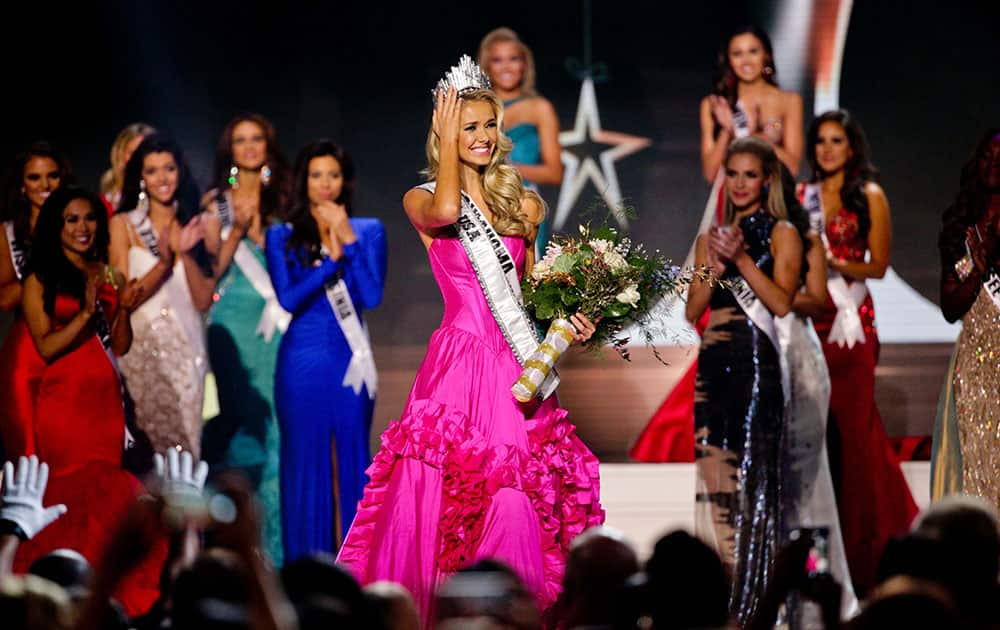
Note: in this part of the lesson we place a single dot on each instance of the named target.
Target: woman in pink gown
(467, 472)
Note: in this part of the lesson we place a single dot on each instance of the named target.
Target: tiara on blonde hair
(465, 77)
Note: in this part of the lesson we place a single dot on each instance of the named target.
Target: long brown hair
(274, 196)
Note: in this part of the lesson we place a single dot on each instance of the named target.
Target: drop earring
(143, 204)
(234, 179)
(265, 175)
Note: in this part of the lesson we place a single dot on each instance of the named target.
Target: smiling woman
(156, 239)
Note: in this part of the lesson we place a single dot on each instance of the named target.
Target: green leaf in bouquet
(570, 298)
(544, 312)
(616, 309)
(564, 263)
(605, 233)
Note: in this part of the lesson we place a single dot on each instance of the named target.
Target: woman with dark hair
(156, 237)
(246, 322)
(77, 310)
(532, 123)
(851, 211)
(33, 176)
(327, 268)
(742, 384)
(970, 291)
(745, 101)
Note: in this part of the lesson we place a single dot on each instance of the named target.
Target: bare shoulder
(541, 106)
(416, 199)
(790, 100)
(874, 191)
(783, 230)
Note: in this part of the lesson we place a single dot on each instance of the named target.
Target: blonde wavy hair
(770, 169)
(501, 183)
(504, 34)
(112, 179)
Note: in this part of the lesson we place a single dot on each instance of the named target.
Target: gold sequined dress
(977, 399)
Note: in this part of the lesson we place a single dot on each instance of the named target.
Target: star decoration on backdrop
(581, 166)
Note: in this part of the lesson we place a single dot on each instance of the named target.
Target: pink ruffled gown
(467, 473)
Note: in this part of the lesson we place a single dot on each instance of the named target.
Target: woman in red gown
(32, 177)
(851, 211)
(77, 311)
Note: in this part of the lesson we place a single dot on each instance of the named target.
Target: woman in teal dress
(531, 121)
(246, 322)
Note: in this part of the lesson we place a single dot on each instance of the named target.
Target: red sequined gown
(874, 500)
(79, 431)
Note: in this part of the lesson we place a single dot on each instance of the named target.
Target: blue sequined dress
(738, 412)
(324, 425)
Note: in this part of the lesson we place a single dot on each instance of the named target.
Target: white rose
(629, 296)
(615, 260)
(600, 245)
(540, 270)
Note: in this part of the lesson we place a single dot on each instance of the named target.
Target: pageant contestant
(746, 101)
(246, 321)
(33, 176)
(808, 497)
(77, 309)
(156, 237)
(327, 269)
(740, 406)
(122, 148)
(531, 121)
(851, 211)
(970, 290)
(467, 472)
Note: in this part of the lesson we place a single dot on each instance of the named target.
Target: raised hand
(23, 494)
(727, 243)
(94, 282)
(721, 111)
(180, 477)
(190, 234)
(130, 296)
(447, 113)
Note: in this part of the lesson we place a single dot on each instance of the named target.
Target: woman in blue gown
(326, 268)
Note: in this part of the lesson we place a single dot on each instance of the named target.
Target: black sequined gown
(738, 427)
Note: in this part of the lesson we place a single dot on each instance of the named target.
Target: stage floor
(646, 501)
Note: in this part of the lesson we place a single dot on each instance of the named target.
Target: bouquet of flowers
(605, 276)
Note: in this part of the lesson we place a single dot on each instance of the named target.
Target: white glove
(22, 496)
(182, 480)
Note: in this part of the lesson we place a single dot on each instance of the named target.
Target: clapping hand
(179, 475)
(23, 494)
(726, 243)
(721, 111)
(190, 234)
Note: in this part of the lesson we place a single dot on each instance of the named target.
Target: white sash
(103, 332)
(18, 256)
(992, 287)
(361, 370)
(847, 328)
(273, 316)
(764, 320)
(497, 274)
(741, 122)
(144, 228)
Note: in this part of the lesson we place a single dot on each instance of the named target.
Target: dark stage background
(921, 76)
